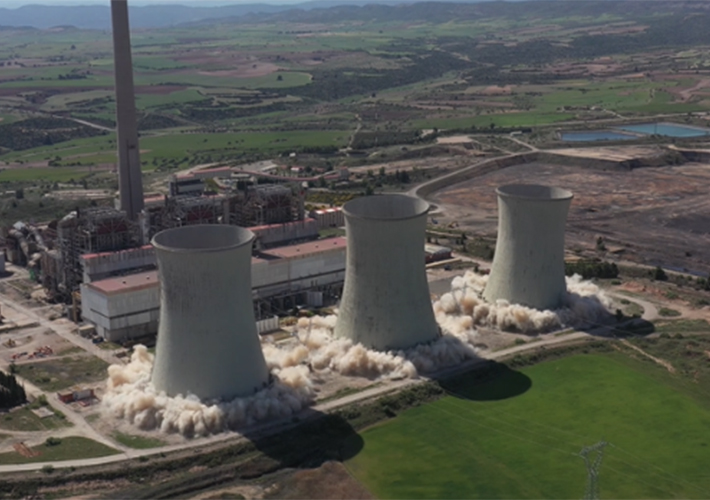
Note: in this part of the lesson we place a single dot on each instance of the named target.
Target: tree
(600, 244)
(659, 274)
(19, 194)
(279, 78)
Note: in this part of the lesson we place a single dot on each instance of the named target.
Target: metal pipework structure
(130, 182)
(529, 262)
(386, 303)
(207, 339)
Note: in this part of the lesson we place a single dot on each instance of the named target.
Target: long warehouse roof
(135, 282)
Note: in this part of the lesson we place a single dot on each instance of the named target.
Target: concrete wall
(528, 266)
(207, 340)
(385, 303)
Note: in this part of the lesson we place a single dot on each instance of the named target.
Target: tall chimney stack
(130, 182)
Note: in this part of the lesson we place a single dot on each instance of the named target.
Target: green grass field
(138, 442)
(22, 419)
(69, 448)
(527, 446)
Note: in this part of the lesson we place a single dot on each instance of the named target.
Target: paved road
(81, 426)
(92, 125)
(650, 310)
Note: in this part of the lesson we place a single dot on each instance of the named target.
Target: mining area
(651, 215)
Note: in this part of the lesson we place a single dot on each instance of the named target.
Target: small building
(186, 185)
(78, 395)
(435, 253)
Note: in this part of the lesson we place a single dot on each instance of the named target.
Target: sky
(207, 3)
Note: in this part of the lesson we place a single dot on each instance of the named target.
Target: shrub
(53, 441)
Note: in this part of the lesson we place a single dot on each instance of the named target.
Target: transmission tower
(592, 491)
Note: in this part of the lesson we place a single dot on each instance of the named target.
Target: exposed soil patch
(687, 93)
(659, 215)
(329, 481)
(665, 364)
(497, 90)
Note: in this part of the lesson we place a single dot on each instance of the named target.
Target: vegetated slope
(474, 445)
(35, 132)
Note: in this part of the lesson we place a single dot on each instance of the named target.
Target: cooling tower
(130, 182)
(207, 339)
(529, 265)
(385, 303)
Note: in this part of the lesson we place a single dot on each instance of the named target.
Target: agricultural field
(520, 435)
(235, 90)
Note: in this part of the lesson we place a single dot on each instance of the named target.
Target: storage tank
(386, 303)
(207, 339)
(529, 264)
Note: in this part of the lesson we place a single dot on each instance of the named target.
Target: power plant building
(124, 307)
(207, 340)
(386, 303)
(528, 266)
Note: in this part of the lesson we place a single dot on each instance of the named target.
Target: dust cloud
(314, 350)
(584, 303)
(130, 396)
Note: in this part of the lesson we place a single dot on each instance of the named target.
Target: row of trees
(592, 269)
(11, 392)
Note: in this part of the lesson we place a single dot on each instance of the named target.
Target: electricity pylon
(592, 491)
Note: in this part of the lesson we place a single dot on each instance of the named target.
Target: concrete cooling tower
(529, 266)
(385, 303)
(207, 339)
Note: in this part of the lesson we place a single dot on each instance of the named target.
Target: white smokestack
(130, 180)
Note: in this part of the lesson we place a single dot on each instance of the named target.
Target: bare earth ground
(661, 215)
(329, 481)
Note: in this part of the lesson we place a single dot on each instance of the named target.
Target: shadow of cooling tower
(314, 439)
(491, 382)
